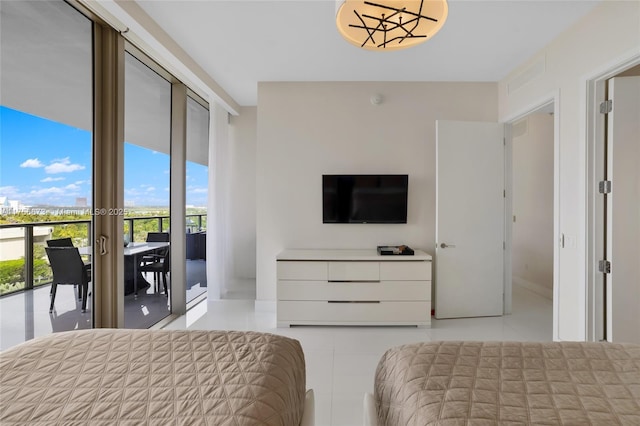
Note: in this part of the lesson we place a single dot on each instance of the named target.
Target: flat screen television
(364, 198)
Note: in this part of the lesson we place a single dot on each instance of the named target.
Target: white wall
(242, 152)
(607, 36)
(532, 243)
(306, 130)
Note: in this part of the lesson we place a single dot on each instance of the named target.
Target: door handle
(443, 245)
(102, 245)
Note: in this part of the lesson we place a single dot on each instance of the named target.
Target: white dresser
(353, 287)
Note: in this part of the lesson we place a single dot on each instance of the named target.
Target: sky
(47, 163)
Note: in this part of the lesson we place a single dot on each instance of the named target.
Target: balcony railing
(32, 268)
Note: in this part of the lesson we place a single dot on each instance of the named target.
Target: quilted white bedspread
(153, 377)
(489, 383)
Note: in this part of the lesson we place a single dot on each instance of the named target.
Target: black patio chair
(68, 268)
(157, 237)
(158, 255)
(160, 267)
(66, 242)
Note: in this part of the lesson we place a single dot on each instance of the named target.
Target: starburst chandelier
(390, 24)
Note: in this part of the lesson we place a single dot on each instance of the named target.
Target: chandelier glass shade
(390, 24)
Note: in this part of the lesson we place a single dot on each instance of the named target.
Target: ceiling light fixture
(390, 24)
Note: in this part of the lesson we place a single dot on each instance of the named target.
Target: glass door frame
(109, 56)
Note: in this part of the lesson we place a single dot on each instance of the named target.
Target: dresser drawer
(413, 313)
(301, 270)
(352, 287)
(354, 271)
(405, 270)
(354, 291)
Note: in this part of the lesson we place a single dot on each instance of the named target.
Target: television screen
(364, 198)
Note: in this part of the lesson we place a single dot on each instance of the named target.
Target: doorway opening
(531, 259)
(532, 209)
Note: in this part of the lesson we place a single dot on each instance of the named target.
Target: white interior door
(623, 211)
(469, 257)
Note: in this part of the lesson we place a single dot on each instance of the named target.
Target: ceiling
(240, 42)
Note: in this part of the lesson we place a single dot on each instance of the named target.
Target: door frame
(595, 217)
(552, 98)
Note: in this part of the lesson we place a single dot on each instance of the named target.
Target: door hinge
(504, 245)
(604, 266)
(604, 187)
(606, 107)
(504, 193)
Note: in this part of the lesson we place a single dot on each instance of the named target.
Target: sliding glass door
(46, 144)
(87, 124)
(147, 195)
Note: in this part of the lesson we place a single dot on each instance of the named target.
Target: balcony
(25, 278)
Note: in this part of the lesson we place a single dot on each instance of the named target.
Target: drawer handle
(353, 281)
(353, 301)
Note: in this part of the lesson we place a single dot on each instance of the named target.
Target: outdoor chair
(158, 255)
(159, 268)
(157, 237)
(65, 242)
(68, 268)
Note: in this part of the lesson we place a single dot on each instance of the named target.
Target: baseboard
(268, 306)
(536, 288)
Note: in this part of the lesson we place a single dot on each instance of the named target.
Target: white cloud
(82, 182)
(47, 191)
(198, 191)
(72, 187)
(8, 191)
(63, 166)
(151, 188)
(68, 190)
(50, 179)
(32, 163)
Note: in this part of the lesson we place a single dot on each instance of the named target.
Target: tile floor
(341, 361)
(25, 315)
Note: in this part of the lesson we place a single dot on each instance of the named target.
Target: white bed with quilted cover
(490, 383)
(155, 377)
